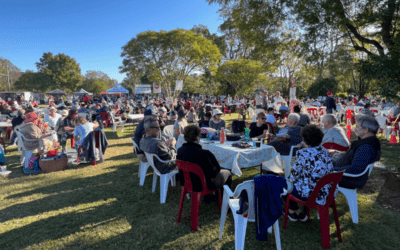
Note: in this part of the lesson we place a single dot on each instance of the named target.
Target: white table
(234, 158)
(136, 116)
(5, 124)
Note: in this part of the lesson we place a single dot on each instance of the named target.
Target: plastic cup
(3, 168)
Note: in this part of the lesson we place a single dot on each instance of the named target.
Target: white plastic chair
(26, 154)
(143, 166)
(164, 178)
(168, 130)
(180, 142)
(19, 138)
(351, 194)
(117, 121)
(382, 123)
(287, 159)
(232, 199)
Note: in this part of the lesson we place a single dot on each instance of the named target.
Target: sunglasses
(156, 128)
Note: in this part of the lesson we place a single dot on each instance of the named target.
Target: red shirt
(188, 104)
(85, 98)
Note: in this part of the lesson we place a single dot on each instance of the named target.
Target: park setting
(211, 124)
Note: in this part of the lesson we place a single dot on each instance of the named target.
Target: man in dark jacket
(154, 144)
(330, 103)
(16, 122)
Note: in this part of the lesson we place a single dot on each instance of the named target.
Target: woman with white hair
(364, 151)
(290, 138)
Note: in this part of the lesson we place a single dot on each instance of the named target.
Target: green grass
(103, 207)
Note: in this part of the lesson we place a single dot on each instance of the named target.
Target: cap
(150, 112)
(329, 93)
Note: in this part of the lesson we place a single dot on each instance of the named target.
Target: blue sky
(92, 32)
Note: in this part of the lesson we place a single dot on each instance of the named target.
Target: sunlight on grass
(16, 223)
(89, 235)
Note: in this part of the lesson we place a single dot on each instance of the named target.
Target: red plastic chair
(323, 211)
(331, 145)
(271, 127)
(188, 168)
(105, 117)
(8, 133)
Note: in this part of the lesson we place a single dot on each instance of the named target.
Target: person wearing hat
(180, 124)
(162, 117)
(205, 123)
(32, 128)
(330, 103)
(217, 122)
(140, 132)
(52, 118)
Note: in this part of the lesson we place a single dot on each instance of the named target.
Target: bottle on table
(222, 136)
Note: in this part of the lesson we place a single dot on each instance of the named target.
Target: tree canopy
(165, 57)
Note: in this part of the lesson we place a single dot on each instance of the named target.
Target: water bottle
(222, 136)
(247, 134)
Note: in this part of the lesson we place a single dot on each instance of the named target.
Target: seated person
(191, 115)
(140, 132)
(364, 151)
(82, 129)
(271, 119)
(312, 163)
(283, 110)
(291, 138)
(333, 132)
(34, 128)
(366, 110)
(153, 144)
(217, 122)
(201, 114)
(16, 122)
(304, 119)
(83, 109)
(52, 118)
(316, 103)
(191, 151)
(206, 121)
(104, 108)
(257, 128)
(66, 128)
(180, 124)
(162, 117)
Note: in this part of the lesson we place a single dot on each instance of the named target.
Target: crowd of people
(190, 114)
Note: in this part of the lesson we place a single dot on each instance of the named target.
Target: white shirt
(52, 121)
(258, 100)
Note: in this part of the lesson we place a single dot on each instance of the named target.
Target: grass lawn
(103, 207)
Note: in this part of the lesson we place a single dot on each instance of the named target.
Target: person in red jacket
(85, 99)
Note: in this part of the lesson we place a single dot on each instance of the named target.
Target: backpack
(238, 126)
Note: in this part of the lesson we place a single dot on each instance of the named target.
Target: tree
(13, 74)
(165, 57)
(32, 81)
(96, 81)
(62, 71)
(239, 76)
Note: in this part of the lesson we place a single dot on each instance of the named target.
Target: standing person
(16, 122)
(258, 101)
(265, 100)
(330, 103)
(180, 124)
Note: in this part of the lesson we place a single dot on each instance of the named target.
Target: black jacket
(193, 152)
(330, 104)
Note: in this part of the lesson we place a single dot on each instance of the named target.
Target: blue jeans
(13, 139)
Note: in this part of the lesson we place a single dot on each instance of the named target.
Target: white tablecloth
(233, 158)
(5, 124)
(136, 116)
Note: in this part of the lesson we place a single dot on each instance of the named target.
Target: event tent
(56, 92)
(117, 89)
(82, 92)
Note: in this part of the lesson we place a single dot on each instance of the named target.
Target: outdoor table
(136, 116)
(5, 124)
(234, 158)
